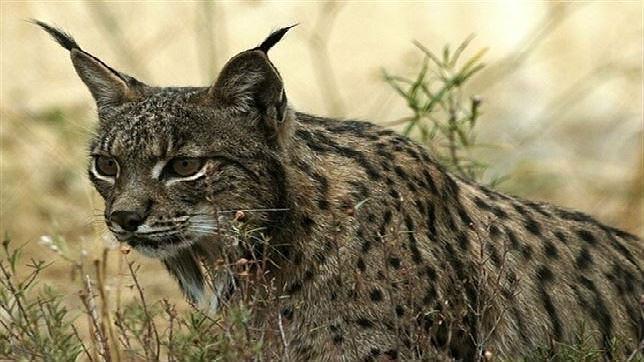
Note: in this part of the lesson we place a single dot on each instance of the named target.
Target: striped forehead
(138, 144)
(142, 137)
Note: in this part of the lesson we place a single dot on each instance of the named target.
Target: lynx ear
(250, 81)
(108, 86)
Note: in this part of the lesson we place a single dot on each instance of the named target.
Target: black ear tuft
(107, 85)
(62, 38)
(273, 39)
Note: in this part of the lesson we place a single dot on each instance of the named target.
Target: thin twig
(283, 336)
(152, 328)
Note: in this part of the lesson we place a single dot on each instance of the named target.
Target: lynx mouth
(161, 242)
(149, 242)
(157, 243)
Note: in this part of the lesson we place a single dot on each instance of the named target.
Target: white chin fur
(164, 251)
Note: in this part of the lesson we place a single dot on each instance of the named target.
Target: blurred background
(561, 112)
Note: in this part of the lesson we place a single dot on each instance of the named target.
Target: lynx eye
(106, 166)
(185, 167)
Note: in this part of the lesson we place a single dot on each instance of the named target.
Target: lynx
(374, 250)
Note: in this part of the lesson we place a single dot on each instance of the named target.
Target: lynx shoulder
(367, 247)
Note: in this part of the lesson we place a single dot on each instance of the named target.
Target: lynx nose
(128, 220)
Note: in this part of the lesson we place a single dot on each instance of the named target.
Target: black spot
(287, 312)
(489, 193)
(463, 241)
(561, 236)
(375, 352)
(587, 236)
(512, 277)
(526, 251)
(451, 187)
(413, 244)
(323, 204)
(364, 323)
(431, 219)
(402, 140)
(400, 172)
(411, 152)
(336, 335)
(620, 233)
(574, 216)
(514, 242)
(420, 206)
(305, 351)
(338, 281)
(360, 190)
(415, 252)
(385, 165)
(481, 204)
(520, 209)
(409, 223)
(620, 248)
(297, 258)
(544, 274)
(355, 128)
(430, 182)
(333, 295)
(346, 204)
(494, 255)
(599, 312)
(361, 265)
(465, 218)
(321, 256)
(308, 275)
(376, 295)
(552, 313)
(455, 262)
(366, 245)
(424, 156)
(400, 310)
(394, 194)
(387, 217)
(550, 250)
(352, 294)
(394, 262)
(499, 212)
(392, 354)
(307, 221)
(294, 288)
(495, 232)
(384, 153)
(385, 132)
(431, 273)
(430, 295)
(622, 279)
(584, 259)
(449, 219)
(533, 226)
(518, 317)
(284, 251)
(538, 208)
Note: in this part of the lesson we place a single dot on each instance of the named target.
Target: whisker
(206, 231)
(252, 210)
(230, 211)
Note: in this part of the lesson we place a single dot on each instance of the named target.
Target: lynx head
(174, 163)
